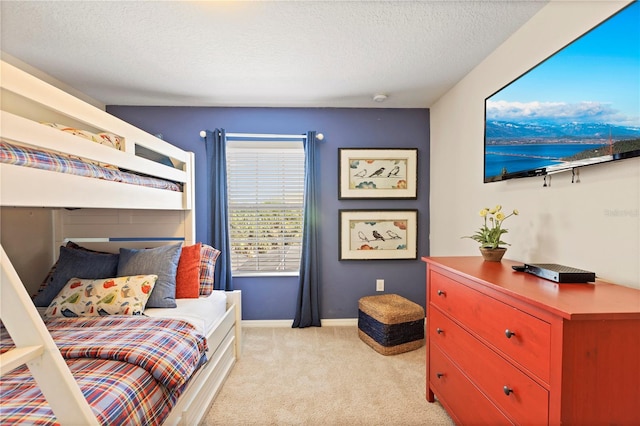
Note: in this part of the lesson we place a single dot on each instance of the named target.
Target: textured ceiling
(261, 53)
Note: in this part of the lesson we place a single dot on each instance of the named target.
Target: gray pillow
(161, 261)
(77, 264)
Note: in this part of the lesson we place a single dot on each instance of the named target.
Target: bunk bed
(112, 188)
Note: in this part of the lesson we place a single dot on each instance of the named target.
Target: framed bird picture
(377, 173)
(378, 234)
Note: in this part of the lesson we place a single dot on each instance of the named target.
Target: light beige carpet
(322, 376)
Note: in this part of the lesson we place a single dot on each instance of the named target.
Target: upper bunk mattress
(45, 160)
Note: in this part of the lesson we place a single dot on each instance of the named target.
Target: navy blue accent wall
(342, 282)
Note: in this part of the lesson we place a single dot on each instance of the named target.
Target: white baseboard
(338, 322)
(266, 323)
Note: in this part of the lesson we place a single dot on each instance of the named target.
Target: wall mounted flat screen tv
(580, 106)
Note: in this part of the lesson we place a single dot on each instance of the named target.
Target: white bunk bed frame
(27, 100)
(33, 101)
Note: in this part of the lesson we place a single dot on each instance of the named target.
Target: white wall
(26, 235)
(593, 225)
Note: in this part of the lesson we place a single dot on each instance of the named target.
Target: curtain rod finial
(203, 134)
(320, 136)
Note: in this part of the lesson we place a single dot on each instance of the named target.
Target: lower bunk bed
(220, 315)
(164, 366)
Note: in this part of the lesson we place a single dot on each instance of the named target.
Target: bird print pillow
(100, 297)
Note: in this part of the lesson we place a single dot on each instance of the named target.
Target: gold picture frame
(378, 234)
(373, 173)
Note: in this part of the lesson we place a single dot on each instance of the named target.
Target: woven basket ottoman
(390, 324)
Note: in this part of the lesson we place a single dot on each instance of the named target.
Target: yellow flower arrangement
(490, 233)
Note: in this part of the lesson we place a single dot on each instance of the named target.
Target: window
(265, 181)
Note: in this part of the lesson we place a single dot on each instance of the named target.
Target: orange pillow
(188, 274)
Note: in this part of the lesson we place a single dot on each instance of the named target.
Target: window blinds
(265, 184)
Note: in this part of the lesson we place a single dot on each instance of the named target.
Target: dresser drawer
(525, 401)
(459, 395)
(495, 321)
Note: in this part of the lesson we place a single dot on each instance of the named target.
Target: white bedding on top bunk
(203, 313)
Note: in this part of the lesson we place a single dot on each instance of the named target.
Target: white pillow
(109, 139)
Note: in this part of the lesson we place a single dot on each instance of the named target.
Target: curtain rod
(319, 136)
(265, 135)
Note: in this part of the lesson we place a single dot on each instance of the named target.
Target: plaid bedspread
(39, 159)
(118, 363)
(170, 350)
(119, 393)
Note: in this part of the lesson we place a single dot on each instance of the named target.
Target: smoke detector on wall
(380, 97)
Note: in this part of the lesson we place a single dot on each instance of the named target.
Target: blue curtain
(216, 147)
(308, 307)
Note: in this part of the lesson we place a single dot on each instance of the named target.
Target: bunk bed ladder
(36, 349)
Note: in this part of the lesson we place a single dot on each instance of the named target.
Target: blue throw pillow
(143, 152)
(163, 261)
(77, 264)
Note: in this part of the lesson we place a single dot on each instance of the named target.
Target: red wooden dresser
(508, 347)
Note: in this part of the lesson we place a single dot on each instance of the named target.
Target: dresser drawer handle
(509, 333)
(507, 390)
(441, 293)
(439, 375)
(439, 330)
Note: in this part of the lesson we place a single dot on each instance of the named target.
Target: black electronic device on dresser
(559, 273)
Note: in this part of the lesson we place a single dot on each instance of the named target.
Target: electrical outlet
(379, 285)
